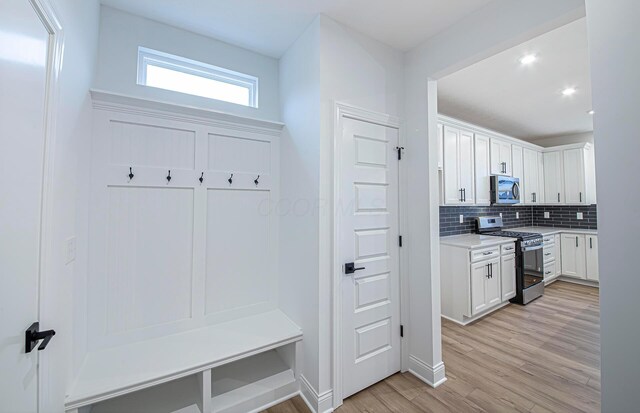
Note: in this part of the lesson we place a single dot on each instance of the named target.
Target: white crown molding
(354, 112)
(433, 376)
(447, 120)
(115, 102)
(317, 402)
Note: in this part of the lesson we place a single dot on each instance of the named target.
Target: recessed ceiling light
(591, 112)
(569, 91)
(528, 59)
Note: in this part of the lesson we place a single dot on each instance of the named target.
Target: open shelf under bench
(195, 357)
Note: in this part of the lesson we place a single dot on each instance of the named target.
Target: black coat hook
(257, 180)
(131, 175)
(230, 179)
(201, 179)
(169, 176)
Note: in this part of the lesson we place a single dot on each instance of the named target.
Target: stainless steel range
(529, 258)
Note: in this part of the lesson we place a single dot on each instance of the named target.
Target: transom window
(179, 74)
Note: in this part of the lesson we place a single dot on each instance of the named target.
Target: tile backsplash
(559, 216)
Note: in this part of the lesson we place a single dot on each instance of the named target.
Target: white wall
(328, 63)
(64, 287)
(564, 139)
(496, 27)
(299, 189)
(615, 56)
(121, 34)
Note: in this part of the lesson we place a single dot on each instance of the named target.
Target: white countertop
(473, 241)
(555, 230)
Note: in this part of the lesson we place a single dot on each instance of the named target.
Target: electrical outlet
(517, 215)
(547, 215)
(501, 215)
(579, 215)
(71, 250)
(462, 219)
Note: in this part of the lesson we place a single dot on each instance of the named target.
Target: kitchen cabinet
(458, 167)
(532, 171)
(485, 285)
(517, 167)
(553, 178)
(500, 157)
(573, 255)
(593, 273)
(508, 276)
(579, 176)
(440, 145)
(482, 171)
(557, 253)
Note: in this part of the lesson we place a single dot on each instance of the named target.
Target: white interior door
(368, 211)
(24, 46)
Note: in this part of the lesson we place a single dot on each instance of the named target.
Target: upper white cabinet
(579, 176)
(440, 145)
(553, 177)
(482, 172)
(500, 157)
(469, 155)
(593, 274)
(458, 167)
(533, 177)
(517, 162)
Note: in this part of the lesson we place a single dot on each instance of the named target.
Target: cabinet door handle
(558, 197)
(591, 243)
(464, 194)
(460, 190)
(580, 196)
(576, 242)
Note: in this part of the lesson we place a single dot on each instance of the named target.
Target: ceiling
(271, 26)
(526, 102)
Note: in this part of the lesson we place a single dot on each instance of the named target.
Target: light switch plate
(547, 215)
(71, 250)
(461, 219)
(579, 215)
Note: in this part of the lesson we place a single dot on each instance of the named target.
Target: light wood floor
(543, 357)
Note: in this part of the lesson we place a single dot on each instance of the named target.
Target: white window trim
(193, 67)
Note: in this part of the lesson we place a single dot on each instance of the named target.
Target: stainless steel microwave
(505, 190)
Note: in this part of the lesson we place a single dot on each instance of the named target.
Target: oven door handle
(534, 248)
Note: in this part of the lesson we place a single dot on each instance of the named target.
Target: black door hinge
(399, 149)
(401, 330)
(400, 240)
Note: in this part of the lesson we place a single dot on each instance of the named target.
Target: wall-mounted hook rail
(131, 175)
(169, 176)
(201, 179)
(230, 179)
(257, 180)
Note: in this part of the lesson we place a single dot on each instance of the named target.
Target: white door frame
(49, 17)
(342, 111)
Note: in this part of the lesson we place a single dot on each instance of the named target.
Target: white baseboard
(317, 403)
(433, 376)
(588, 283)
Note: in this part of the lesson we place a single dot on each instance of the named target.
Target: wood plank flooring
(543, 357)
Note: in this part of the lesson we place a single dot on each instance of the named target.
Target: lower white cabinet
(485, 285)
(574, 262)
(557, 252)
(508, 276)
(475, 280)
(591, 247)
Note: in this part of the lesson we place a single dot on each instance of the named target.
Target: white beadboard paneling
(236, 154)
(135, 144)
(149, 257)
(239, 254)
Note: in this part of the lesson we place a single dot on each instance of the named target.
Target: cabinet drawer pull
(548, 272)
(487, 253)
(547, 254)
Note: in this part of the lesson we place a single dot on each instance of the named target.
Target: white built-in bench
(236, 366)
